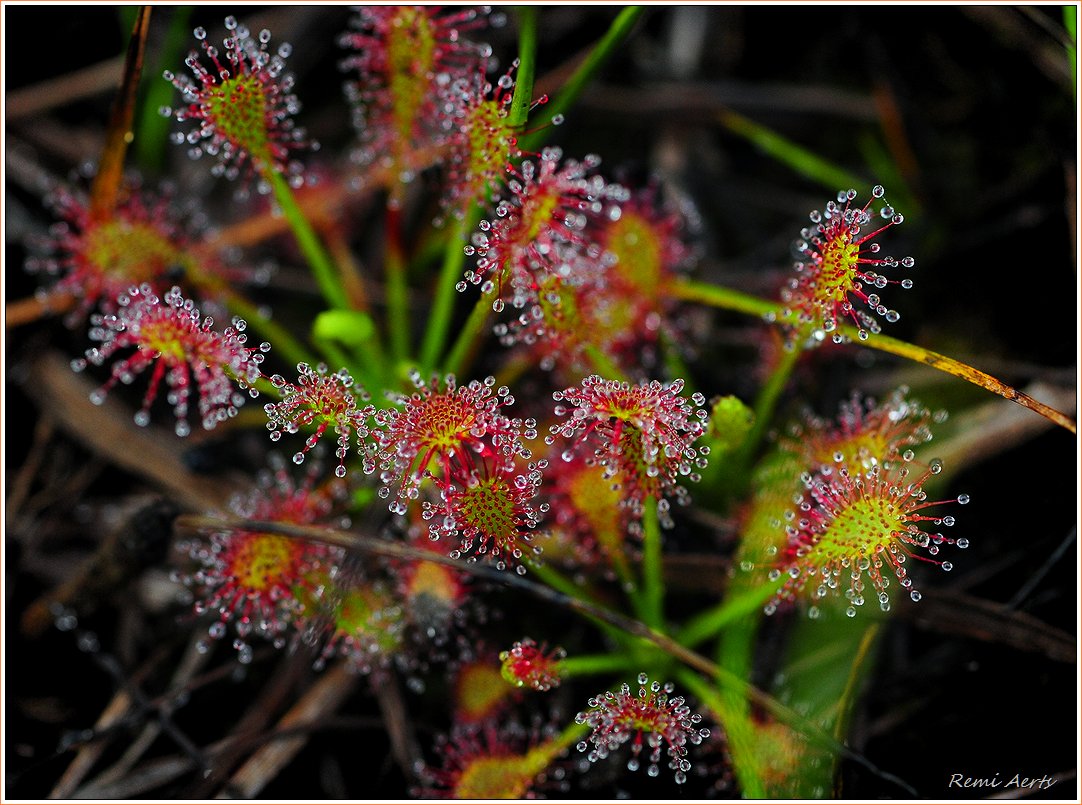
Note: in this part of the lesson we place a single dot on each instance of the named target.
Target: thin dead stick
(404, 745)
(729, 299)
(115, 712)
(271, 698)
(106, 187)
(20, 487)
(885, 343)
(160, 771)
(32, 308)
(57, 92)
(322, 699)
(89, 754)
(193, 661)
(366, 544)
(150, 775)
(108, 430)
(956, 613)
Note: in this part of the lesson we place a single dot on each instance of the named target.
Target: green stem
(675, 365)
(707, 624)
(768, 401)
(337, 358)
(724, 298)
(527, 49)
(617, 621)
(653, 583)
(570, 735)
(152, 130)
(323, 269)
(728, 299)
(739, 730)
(554, 579)
(439, 319)
(904, 349)
(602, 364)
(572, 591)
(623, 571)
(470, 334)
(619, 30)
(789, 153)
(397, 293)
(371, 363)
(588, 664)
(282, 341)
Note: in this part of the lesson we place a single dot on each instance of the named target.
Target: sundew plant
(650, 402)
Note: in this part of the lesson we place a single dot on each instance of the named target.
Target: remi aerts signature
(1003, 782)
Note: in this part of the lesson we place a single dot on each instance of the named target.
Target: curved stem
(728, 299)
(707, 624)
(788, 153)
(721, 297)
(470, 334)
(618, 32)
(397, 292)
(653, 584)
(885, 343)
(767, 401)
(527, 49)
(282, 341)
(320, 263)
(439, 318)
(588, 664)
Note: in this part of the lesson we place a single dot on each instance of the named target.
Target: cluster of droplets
(444, 427)
(538, 236)
(96, 258)
(488, 508)
(527, 664)
(243, 107)
(265, 585)
(838, 501)
(493, 761)
(326, 400)
(589, 522)
(643, 436)
(480, 138)
(365, 624)
(169, 334)
(838, 263)
(854, 525)
(402, 55)
(617, 304)
(664, 723)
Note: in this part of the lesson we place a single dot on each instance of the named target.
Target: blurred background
(967, 114)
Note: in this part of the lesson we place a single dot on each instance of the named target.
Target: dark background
(985, 146)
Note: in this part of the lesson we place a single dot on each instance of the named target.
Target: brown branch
(107, 181)
(319, 701)
(885, 343)
(61, 91)
(108, 429)
(25, 311)
(956, 613)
